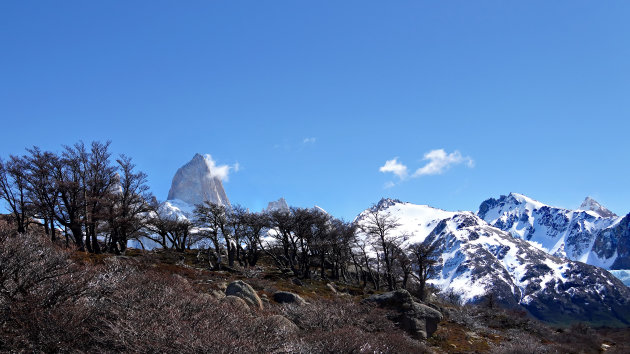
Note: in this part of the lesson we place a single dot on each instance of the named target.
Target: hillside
(67, 300)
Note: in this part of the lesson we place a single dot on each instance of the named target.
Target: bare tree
(255, 224)
(13, 189)
(281, 222)
(236, 229)
(379, 227)
(211, 218)
(70, 209)
(129, 206)
(43, 190)
(403, 265)
(424, 258)
(98, 178)
(168, 231)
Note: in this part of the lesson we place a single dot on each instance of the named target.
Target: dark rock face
(285, 297)
(488, 204)
(243, 290)
(582, 295)
(419, 320)
(615, 240)
(385, 203)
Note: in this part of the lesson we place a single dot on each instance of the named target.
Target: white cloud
(394, 167)
(309, 140)
(222, 172)
(440, 161)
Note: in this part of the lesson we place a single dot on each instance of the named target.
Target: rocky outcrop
(278, 205)
(592, 205)
(285, 297)
(244, 291)
(196, 182)
(418, 319)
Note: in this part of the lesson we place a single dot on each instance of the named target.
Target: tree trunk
(77, 233)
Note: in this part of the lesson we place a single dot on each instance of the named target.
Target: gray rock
(394, 299)
(196, 182)
(419, 320)
(279, 205)
(244, 291)
(285, 297)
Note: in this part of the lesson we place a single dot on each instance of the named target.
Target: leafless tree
(168, 231)
(255, 224)
(211, 219)
(379, 227)
(424, 258)
(43, 190)
(130, 205)
(13, 190)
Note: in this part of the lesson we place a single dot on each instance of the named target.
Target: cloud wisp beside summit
(438, 162)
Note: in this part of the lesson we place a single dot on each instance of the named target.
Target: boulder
(421, 321)
(418, 319)
(285, 297)
(394, 299)
(243, 290)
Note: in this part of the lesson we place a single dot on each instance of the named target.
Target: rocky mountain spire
(195, 182)
(592, 205)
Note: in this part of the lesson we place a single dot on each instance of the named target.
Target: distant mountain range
(478, 259)
(591, 234)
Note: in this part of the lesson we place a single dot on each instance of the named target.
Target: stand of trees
(82, 191)
(98, 203)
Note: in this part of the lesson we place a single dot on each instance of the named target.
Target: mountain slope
(591, 234)
(478, 260)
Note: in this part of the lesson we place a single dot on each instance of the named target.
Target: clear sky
(334, 103)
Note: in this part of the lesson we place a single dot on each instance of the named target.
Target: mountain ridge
(478, 260)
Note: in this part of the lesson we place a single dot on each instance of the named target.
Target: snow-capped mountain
(196, 182)
(193, 183)
(477, 259)
(591, 234)
(592, 205)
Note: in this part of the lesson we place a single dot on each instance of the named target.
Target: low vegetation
(58, 299)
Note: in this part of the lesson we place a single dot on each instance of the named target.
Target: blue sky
(312, 99)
